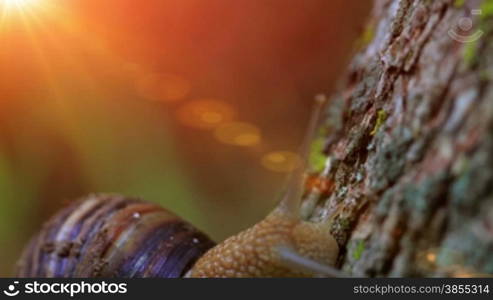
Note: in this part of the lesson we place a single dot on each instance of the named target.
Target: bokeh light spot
(431, 256)
(205, 113)
(238, 134)
(163, 87)
(281, 161)
(211, 117)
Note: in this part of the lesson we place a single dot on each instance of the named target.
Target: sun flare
(17, 3)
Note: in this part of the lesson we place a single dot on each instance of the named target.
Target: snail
(117, 236)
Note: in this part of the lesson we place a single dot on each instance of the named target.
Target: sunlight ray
(33, 24)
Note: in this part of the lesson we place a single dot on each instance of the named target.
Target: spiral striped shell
(113, 236)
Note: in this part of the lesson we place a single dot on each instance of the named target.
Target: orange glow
(238, 134)
(324, 185)
(205, 113)
(281, 161)
(163, 87)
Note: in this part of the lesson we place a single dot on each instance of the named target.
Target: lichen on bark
(410, 153)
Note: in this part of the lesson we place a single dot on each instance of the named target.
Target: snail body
(115, 236)
(260, 251)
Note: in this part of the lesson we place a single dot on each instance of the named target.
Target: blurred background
(197, 105)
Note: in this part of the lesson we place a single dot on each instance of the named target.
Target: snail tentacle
(291, 199)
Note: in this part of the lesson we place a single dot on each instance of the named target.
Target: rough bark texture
(410, 148)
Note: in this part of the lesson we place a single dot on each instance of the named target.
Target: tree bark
(409, 144)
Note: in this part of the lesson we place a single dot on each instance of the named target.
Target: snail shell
(113, 236)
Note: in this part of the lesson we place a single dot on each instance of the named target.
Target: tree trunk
(410, 143)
